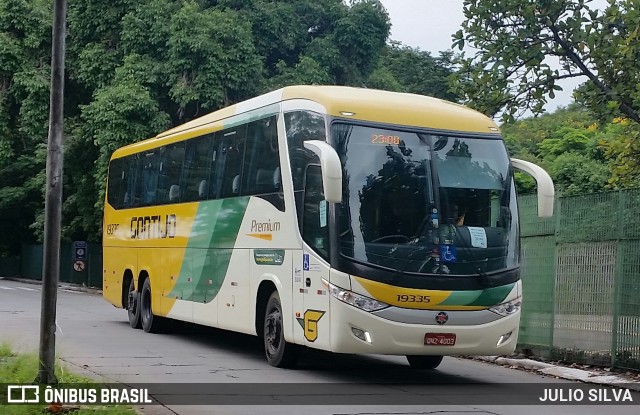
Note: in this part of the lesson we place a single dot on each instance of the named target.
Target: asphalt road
(95, 339)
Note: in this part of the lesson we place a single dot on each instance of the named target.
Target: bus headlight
(360, 301)
(508, 308)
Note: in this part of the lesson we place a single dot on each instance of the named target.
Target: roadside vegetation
(589, 147)
(18, 368)
(581, 153)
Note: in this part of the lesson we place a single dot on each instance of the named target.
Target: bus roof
(365, 104)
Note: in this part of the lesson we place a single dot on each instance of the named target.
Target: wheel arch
(127, 276)
(265, 289)
(143, 275)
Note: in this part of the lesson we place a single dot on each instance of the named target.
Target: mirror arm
(546, 191)
(331, 169)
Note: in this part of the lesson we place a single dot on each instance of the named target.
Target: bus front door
(313, 319)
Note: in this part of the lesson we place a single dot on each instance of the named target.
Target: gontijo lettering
(153, 227)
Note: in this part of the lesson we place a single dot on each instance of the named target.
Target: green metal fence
(581, 279)
(29, 265)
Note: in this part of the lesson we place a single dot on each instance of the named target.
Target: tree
(516, 41)
(137, 67)
(405, 69)
(568, 144)
(25, 39)
(620, 141)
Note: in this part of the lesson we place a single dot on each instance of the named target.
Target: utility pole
(53, 200)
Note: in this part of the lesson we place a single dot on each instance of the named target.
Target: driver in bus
(455, 215)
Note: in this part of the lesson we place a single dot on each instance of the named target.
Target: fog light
(503, 339)
(361, 334)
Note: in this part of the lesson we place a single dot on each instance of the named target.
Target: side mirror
(546, 190)
(331, 169)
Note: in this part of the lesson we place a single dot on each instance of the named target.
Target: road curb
(62, 285)
(561, 372)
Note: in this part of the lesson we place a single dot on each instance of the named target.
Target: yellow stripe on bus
(265, 236)
(411, 297)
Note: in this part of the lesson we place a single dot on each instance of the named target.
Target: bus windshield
(425, 203)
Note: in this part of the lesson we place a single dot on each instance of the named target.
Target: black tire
(150, 322)
(133, 306)
(424, 362)
(279, 353)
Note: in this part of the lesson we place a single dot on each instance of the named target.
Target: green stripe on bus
(461, 297)
(487, 298)
(206, 259)
(493, 296)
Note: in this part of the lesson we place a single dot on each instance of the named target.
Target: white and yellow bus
(343, 219)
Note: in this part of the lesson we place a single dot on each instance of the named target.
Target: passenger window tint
(197, 162)
(171, 158)
(261, 174)
(239, 161)
(231, 155)
(134, 185)
(117, 183)
(150, 170)
(302, 126)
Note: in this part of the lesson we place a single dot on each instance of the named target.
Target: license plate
(440, 339)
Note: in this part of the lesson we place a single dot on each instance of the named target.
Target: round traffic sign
(79, 266)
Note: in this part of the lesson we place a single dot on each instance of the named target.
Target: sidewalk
(588, 374)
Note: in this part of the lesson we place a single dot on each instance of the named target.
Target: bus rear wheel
(150, 322)
(133, 306)
(424, 362)
(279, 353)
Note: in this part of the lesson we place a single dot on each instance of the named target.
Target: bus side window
(170, 169)
(195, 173)
(300, 127)
(315, 231)
(150, 173)
(231, 155)
(261, 171)
(116, 188)
(133, 177)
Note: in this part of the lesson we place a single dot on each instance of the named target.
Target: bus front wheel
(150, 322)
(424, 362)
(133, 305)
(279, 353)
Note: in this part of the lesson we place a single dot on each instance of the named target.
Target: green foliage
(360, 37)
(137, 67)
(567, 144)
(25, 28)
(212, 61)
(120, 114)
(307, 71)
(18, 368)
(524, 136)
(620, 141)
(405, 69)
(515, 39)
(576, 173)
